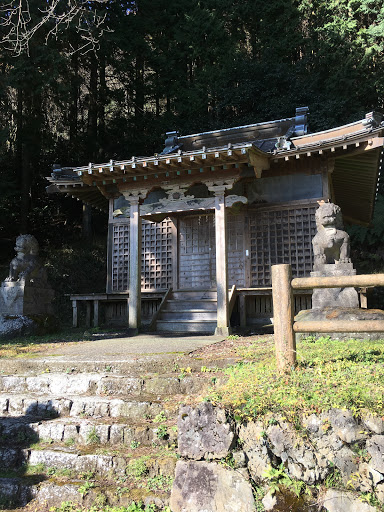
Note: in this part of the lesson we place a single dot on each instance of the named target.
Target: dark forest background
(89, 81)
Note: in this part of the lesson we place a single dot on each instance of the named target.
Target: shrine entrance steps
(96, 431)
(189, 311)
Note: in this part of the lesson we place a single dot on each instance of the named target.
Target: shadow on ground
(17, 478)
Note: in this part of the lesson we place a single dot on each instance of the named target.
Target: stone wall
(339, 458)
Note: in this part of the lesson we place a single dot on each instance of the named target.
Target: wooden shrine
(194, 229)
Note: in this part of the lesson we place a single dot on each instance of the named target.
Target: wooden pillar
(88, 304)
(95, 313)
(110, 246)
(243, 310)
(283, 313)
(134, 301)
(223, 326)
(75, 321)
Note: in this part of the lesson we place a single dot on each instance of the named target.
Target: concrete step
(98, 384)
(188, 314)
(200, 326)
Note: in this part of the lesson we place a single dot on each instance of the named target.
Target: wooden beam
(283, 313)
(338, 281)
(339, 326)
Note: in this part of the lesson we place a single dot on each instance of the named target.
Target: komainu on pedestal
(331, 249)
(25, 292)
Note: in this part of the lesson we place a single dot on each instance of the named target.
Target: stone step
(194, 294)
(199, 326)
(23, 433)
(53, 491)
(135, 366)
(188, 314)
(199, 304)
(77, 462)
(47, 407)
(101, 384)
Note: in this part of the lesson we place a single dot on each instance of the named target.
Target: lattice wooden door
(156, 255)
(236, 253)
(197, 265)
(281, 235)
(197, 260)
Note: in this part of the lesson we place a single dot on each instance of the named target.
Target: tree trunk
(74, 101)
(92, 108)
(102, 99)
(87, 222)
(139, 91)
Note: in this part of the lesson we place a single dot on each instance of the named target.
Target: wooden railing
(285, 327)
(231, 300)
(152, 325)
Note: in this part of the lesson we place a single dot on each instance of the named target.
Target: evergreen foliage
(151, 66)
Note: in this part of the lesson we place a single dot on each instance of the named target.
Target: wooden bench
(92, 303)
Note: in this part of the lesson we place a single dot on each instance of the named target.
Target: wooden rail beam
(283, 313)
(338, 281)
(339, 326)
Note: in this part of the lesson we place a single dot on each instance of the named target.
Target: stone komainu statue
(331, 243)
(26, 265)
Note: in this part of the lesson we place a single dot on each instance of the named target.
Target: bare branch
(19, 26)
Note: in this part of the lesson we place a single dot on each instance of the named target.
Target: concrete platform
(145, 352)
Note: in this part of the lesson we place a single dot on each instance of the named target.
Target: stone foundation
(349, 314)
(331, 441)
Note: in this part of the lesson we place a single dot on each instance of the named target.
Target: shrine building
(194, 230)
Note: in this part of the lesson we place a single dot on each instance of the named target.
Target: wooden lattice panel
(120, 257)
(235, 253)
(281, 236)
(156, 255)
(156, 262)
(197, 267)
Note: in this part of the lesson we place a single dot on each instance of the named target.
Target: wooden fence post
(283, 313)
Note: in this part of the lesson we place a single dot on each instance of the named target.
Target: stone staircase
(92, 437)
(189, 311)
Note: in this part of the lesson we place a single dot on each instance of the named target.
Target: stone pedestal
(25, 298)
(342, 314)
(334, 297)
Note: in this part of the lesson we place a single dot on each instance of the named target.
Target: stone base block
(21, 298)
(209, 487)
(223, 331)
(12, 326)
(334, 297)
(346, 314)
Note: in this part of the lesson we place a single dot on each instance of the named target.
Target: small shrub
(162, 432)
(160, 417)
(93, 437)
(160, 483)
(137, 468)
(85, 488)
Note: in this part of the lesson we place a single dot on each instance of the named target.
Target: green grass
(329, 374)
(137, 468)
